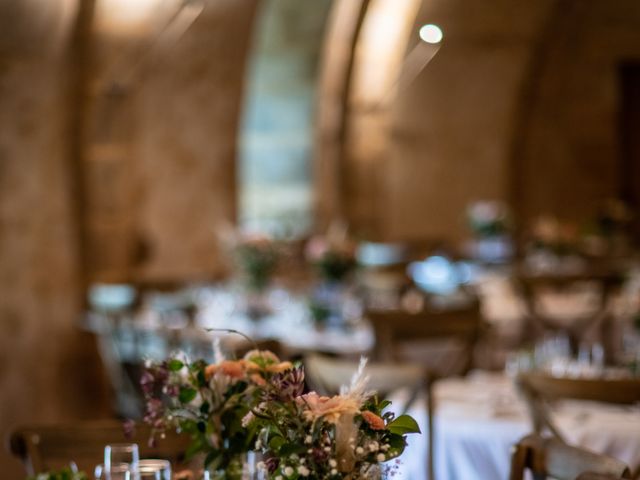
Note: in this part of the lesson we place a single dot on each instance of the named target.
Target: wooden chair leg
(430, 427)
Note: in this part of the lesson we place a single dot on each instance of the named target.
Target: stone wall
(521, 99)
(44, 374)
(182, 174)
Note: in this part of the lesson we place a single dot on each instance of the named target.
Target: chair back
(398, 327)
(552, 458)
(540, 389)
(46, 448)
(327, 374)
(605, 281)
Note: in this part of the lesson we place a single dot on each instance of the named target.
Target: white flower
(334, 471)
(288, 471)
(304, 471)
(359, 450)
(279, 477)
(380, 457)
(356, 389)
(373, 446)
(333, 463)
(308, 439)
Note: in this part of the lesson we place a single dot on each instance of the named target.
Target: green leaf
(174, 365)
(403, 424)
(397, 444)
(187, 394)
(275, 443)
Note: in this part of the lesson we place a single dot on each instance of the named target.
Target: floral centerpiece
(333, 255)
(346, 436)
(490, 222)
(258, 402)
(208, 402)
(608, 233)
(257, 257)
(488, 219)
(551, 235)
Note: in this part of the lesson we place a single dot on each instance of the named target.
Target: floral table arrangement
(258, 403)
(488, 219)
(346, 436)
(257, 257)
(551, 235)
(491, 225)
(333, 257)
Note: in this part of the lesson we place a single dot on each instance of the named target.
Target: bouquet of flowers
(257, 256)
(209, 401)
(258, 402)
(488, 218)
(551, 235)
(333, 255)
(347, 436)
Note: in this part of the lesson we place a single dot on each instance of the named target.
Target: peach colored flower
(232, 368)
(279, 367)
(257, 379)
(329, 408)
(210, 371)
(373, 420)
(262, 356)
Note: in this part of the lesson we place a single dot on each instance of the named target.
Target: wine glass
(121, 454)
(153, 469)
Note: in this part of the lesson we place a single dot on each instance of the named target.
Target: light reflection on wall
(132, 17)
(381, 48)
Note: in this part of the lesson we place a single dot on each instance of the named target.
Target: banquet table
(479, 418)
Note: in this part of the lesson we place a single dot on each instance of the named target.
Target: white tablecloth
(478, 420)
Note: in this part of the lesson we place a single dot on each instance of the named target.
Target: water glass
(153, 469)
(121, 454)
(116, 471)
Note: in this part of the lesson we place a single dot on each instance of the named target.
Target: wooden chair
(44, 448)
(552, 458)
(606, 282)
(398, 327)
(540, 389)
